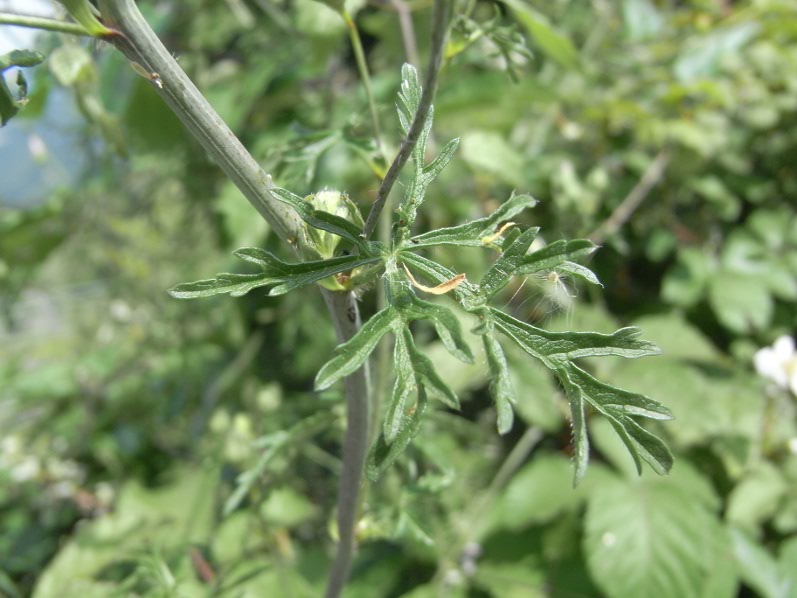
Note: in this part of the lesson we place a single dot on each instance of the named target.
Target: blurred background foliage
(150, 447)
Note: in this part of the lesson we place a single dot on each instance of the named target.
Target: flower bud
(321, 242)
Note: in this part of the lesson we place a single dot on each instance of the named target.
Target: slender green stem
(139, 44)
(439, 33)
(8, 18)
(362, 67)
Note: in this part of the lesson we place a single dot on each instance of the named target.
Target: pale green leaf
(427, 376)
(446, 324)
(553, 42)
(578, 271)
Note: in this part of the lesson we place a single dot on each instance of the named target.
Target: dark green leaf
(446, 324)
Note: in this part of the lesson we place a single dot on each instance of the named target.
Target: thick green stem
(140, 44)
(439, 33)
(8, 18)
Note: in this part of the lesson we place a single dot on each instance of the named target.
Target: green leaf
(353, 353)
(83, 12)
(500, 383)
(382, 455)
(435, 167)
(10, 106)
(650, 537)
(489, 152)
(473, 233)
(236, 285)
(556, 254)
(446, 325)
(319, 219)
(538, 493)
(508, 263)
(579, 271)
(427, 376)
(551, 41)
(557, 348)
(283, 275)
(405, 385)
(741, 302)
(758, 568)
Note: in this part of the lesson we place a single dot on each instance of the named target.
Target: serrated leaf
(508, 263)
(473, 233)
(556, 348)
(406, 384)
(284, 275)
(650, 537)
(383, 455)
(446, 325)
(436, 166)
(554, 255)
(500, 383)
(353, 353)
(427, 376)
(324, 220)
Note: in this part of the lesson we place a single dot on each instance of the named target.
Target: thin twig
(439, 31)
(33, 22)
(633, 200)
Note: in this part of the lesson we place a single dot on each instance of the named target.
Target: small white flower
(779, 363)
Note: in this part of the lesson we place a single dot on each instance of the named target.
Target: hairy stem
(343, 306)
(439, 31)
(140, 44)
(8, 18)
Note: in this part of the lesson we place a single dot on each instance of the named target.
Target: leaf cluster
(416, 377)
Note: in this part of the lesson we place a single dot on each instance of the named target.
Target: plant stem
(8, 18)
(439, 31)
(362, 67)
(355, 445)
(139, 43)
